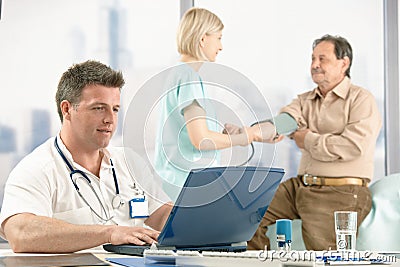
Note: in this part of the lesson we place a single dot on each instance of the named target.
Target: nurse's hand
(265, 132)
(132, 235)
(230, 128)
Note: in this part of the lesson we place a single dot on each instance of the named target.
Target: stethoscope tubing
(75, 171)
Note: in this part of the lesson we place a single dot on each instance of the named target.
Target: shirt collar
(106, 158)
(341, 90)
(105, 162)
(63, 148)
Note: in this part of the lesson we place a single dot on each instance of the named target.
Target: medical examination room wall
(269, 41)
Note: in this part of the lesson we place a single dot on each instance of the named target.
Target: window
(268, 41)
(41, 39)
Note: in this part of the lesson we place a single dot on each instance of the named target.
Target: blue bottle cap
(284, 230)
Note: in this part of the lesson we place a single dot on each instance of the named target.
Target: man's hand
(133, 235)
(299, 137)
(29, 233)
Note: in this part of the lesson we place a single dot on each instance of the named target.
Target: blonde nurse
(189, 135)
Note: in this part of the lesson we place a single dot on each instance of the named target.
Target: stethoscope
(117, 201)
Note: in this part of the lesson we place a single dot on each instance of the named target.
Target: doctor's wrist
(109, 233)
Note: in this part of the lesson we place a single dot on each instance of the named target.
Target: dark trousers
(314, 205)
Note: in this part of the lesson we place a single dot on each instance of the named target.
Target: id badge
(138, 207)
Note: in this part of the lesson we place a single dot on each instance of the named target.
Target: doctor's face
(211, 45)
(94, 120)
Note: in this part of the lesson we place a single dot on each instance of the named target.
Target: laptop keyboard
(244, 254)
(157, 254)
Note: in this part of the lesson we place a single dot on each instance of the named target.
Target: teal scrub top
(175, 155)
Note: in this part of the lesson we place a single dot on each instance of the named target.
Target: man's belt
(309, 179)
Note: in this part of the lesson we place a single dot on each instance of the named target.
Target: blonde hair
(196, 23)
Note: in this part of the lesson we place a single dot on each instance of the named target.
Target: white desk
(204, 261)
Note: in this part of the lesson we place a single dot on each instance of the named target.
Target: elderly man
(338, 124)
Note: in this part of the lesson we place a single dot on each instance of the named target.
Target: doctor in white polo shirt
(74, 192)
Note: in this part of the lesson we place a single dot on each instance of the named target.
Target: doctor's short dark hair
(342, 48)
(80, 75)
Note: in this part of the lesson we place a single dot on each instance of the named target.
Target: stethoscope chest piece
(117, 202)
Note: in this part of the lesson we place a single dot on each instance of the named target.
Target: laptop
(218, 209)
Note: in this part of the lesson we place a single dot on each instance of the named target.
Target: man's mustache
(317, 71)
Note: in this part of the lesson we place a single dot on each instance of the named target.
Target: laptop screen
(220, 206)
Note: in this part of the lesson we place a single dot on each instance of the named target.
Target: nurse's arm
(158, 218)
(30, 233)
(204, 139)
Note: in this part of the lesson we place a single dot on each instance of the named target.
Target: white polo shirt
(40, 184)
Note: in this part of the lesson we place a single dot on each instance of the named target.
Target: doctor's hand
(132, 235)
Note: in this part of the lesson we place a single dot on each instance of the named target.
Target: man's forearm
(48, 235)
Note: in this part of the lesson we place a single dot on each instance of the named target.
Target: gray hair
(342, 48)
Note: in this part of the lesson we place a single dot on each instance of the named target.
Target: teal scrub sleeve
(188, 93)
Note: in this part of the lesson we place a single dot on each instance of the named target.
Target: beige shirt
(345, 125)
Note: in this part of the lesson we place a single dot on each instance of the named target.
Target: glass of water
(346, 229)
